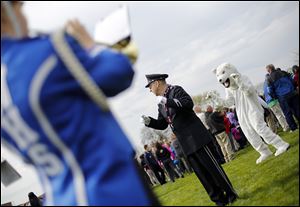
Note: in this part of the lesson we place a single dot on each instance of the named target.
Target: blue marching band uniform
(79, 150)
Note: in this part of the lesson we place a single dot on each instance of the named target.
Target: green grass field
(275, 182)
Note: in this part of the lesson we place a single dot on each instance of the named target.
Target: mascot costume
(241, 92)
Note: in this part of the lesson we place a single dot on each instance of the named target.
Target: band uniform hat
(153, 77)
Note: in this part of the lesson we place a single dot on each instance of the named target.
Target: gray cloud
(249, 35)
(187, 40)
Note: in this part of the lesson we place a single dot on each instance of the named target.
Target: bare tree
(206, 98)
(149, 135)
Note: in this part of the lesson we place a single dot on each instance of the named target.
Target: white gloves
(161, 100)
(145, 120)
(235, 75)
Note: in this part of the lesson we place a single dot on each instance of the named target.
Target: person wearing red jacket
(235, 146)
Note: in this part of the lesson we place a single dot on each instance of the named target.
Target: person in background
(295, 69)
(274, 105)
(242, 140)
(201, 115)
(269, 117)
(215, 148)
(144, 168)
(216, 124)
(180, 156)
(234, 145)
(164, 156)
(280, 86)
(152, 163)
(166, 144)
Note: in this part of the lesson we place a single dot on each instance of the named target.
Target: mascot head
(225, 73)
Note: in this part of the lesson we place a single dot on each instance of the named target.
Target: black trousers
(211, 175)
(290, 108)
(159, 174)
(171, 169)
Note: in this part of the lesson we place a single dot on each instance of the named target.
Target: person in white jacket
(241, 92)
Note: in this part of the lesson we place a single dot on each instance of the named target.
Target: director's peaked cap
(153, 77)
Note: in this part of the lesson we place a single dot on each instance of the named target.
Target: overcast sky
(186, 40)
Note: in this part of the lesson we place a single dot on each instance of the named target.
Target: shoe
(282, 149)
(232, 198)
(263, 157)
(231, 158)
(164, 182)
(220, 204)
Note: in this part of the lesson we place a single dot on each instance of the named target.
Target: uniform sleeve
(181, 99)
(111, 71)
(160, 123)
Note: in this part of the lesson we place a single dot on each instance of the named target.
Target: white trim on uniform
(218, 167)
(34, 94)
(177, 102)
(96, 50)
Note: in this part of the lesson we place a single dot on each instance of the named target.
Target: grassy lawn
(275, 182)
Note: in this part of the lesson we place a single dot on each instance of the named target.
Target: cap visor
(147, 86)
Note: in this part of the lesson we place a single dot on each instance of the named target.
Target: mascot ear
(214, 71)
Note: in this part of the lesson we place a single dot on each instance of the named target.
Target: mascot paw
(282, 149)
(235, 76)
(263, 157)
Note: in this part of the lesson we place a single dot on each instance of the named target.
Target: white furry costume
(241, 92)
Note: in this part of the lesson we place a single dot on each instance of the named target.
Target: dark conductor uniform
(194, 139)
